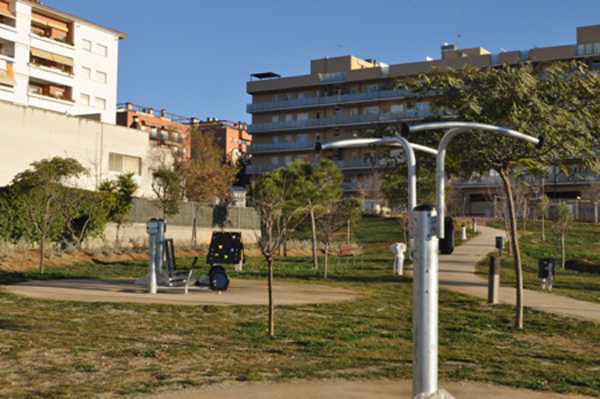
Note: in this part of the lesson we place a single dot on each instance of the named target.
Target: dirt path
(240, 292)
(356, 390)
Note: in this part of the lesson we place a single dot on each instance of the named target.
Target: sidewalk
(457, 274)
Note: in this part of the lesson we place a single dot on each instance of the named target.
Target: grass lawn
(581, 278)
(56, 349)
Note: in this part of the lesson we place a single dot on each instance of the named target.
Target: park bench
(350, 250)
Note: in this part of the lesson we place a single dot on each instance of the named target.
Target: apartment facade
(346, 97)
(55, 61)
(232, 137)
(164, 129)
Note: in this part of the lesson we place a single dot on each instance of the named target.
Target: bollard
(474, 225)
(463, 233)
(425, 301)
(494, 280)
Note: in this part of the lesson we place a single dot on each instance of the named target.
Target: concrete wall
(179, 227)
(29, 134)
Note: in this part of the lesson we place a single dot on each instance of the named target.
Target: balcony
(337, 121)
(283, 146)
(561, 179)
(328, 100)
(350, 164)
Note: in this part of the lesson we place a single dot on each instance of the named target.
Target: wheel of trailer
(219, 281)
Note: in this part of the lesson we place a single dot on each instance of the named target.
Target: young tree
(556, 101)
(592, 193)
(38, 193)
(206, 176)
(275, 197)
(542, 206)
(321, 185)
(122, 189)
(336, 215)
(85, 212)
(166, 184)
(562, 218)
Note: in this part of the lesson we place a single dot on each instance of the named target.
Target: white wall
(24, 40)
(28, 134)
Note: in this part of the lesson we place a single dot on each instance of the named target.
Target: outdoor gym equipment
(225, 248)
(428, 231)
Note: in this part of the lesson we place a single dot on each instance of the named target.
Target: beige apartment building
(345, 97)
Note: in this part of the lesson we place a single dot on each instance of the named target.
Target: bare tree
(562, 218)
(592, 193)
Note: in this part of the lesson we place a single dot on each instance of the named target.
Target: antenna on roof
(457, 27)
(339, 46)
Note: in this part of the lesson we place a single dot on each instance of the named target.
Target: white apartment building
(55, 61)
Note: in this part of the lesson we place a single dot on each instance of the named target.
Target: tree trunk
(515, 248)
(271, 304)
(326, 255)
(562, 250)
(543, 227)
(117, 244)
(313, 225)
(42, 252)
(595, 213)
(194, 230)
(348, 240)
(284, 238)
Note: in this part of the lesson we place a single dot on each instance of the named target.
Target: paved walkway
(457, 273)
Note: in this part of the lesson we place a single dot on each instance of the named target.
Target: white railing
(341, 120)
(326, 100)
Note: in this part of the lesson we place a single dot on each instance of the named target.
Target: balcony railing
(343, 165)
(286, 145)
(561, 178)
(327, 100)
(340, 120)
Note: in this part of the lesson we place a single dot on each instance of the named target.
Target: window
(302, 96)
(288, 117)
(354, 112)
(287, 138)
(86, 73)
(124, 163)
(101, 76)
(276, 98)
(336, 132)
(397, 109)
(288, 159)
(275, 160)
(353, 90)
(101, 49)
(275, 118)
(372, 88)
(86, 45)
(302, 138)
(275, 139)
(100, 103)
(289, 96)
(302, 117)
(372, 111)
(337, 111)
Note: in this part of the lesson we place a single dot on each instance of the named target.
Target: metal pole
(425, 302)
(160, 241)
(152, 265)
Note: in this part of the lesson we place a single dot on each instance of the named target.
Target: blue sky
(194, 57)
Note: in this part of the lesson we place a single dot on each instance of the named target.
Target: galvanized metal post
(160, 241)
(152, 232)
(425, 301)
